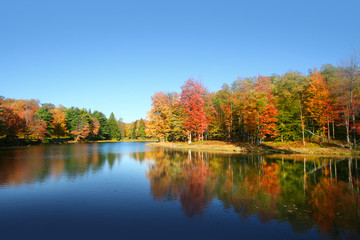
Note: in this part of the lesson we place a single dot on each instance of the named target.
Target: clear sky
(112, 55)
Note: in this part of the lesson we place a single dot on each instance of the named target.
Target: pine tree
(141, 130)
(44, 114)
(114, 128)
(122, 128)
(104, 131)
(133, 131)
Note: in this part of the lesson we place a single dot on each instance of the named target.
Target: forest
(32, 121)
(321, 106)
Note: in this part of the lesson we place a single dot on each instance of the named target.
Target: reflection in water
(304, 192)
(308, 193)
(43, 162)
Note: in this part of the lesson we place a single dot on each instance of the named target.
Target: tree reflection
(186, 178)
(305, 192)
(39, 163)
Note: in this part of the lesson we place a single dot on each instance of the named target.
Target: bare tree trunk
(231, 120)
(347, 130)
(350, 175)
(350, 68)
(328, 128)
(304, 174)
(354, 127)
(302, 122)
(330, 172)
(333, 127)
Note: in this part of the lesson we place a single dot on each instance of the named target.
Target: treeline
(292, 106)
(27, 119)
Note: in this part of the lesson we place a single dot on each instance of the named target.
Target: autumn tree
(225, 110)
(318, 102)
(59, 121)
(177, 132)
(78, 123)
(159, 116)
(195, 121)
(11, 124)
(25, 110)
(38, 127)
(82, 129)
(238, 98)
(211, 115)
(260, 111)
(349, 100)
(95, 126)
(289, 90)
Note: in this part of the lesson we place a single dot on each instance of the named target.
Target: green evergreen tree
(114, 128)
(104, 132)
(75, 118)
(141, 130)
(122, 128)
(44, 113)
(133, 131)
(72, 116)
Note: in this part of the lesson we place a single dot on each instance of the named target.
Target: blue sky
(112, 56)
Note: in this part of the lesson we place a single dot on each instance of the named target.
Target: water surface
(133, 191)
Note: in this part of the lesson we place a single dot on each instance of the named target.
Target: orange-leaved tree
(159, 116)
(260, 111)
(59, 121)
(318, 102)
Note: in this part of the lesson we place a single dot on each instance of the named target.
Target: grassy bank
(265, 148)
(213, 146)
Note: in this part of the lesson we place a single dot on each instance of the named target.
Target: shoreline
(28, 142)
(265, 148)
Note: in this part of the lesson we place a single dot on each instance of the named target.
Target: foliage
(114, 128)
(140, 132)
(59, 121)
(194, 118)
(292, 106)
(44, 113)
(104, 130)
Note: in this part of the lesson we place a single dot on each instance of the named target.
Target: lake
(129, 190)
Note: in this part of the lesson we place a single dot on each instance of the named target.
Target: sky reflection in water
(130, 190)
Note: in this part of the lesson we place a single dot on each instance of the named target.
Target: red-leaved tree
(195, 121)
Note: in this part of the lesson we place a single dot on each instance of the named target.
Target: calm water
(132, 191)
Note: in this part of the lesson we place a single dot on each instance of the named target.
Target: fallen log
(325, 139)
